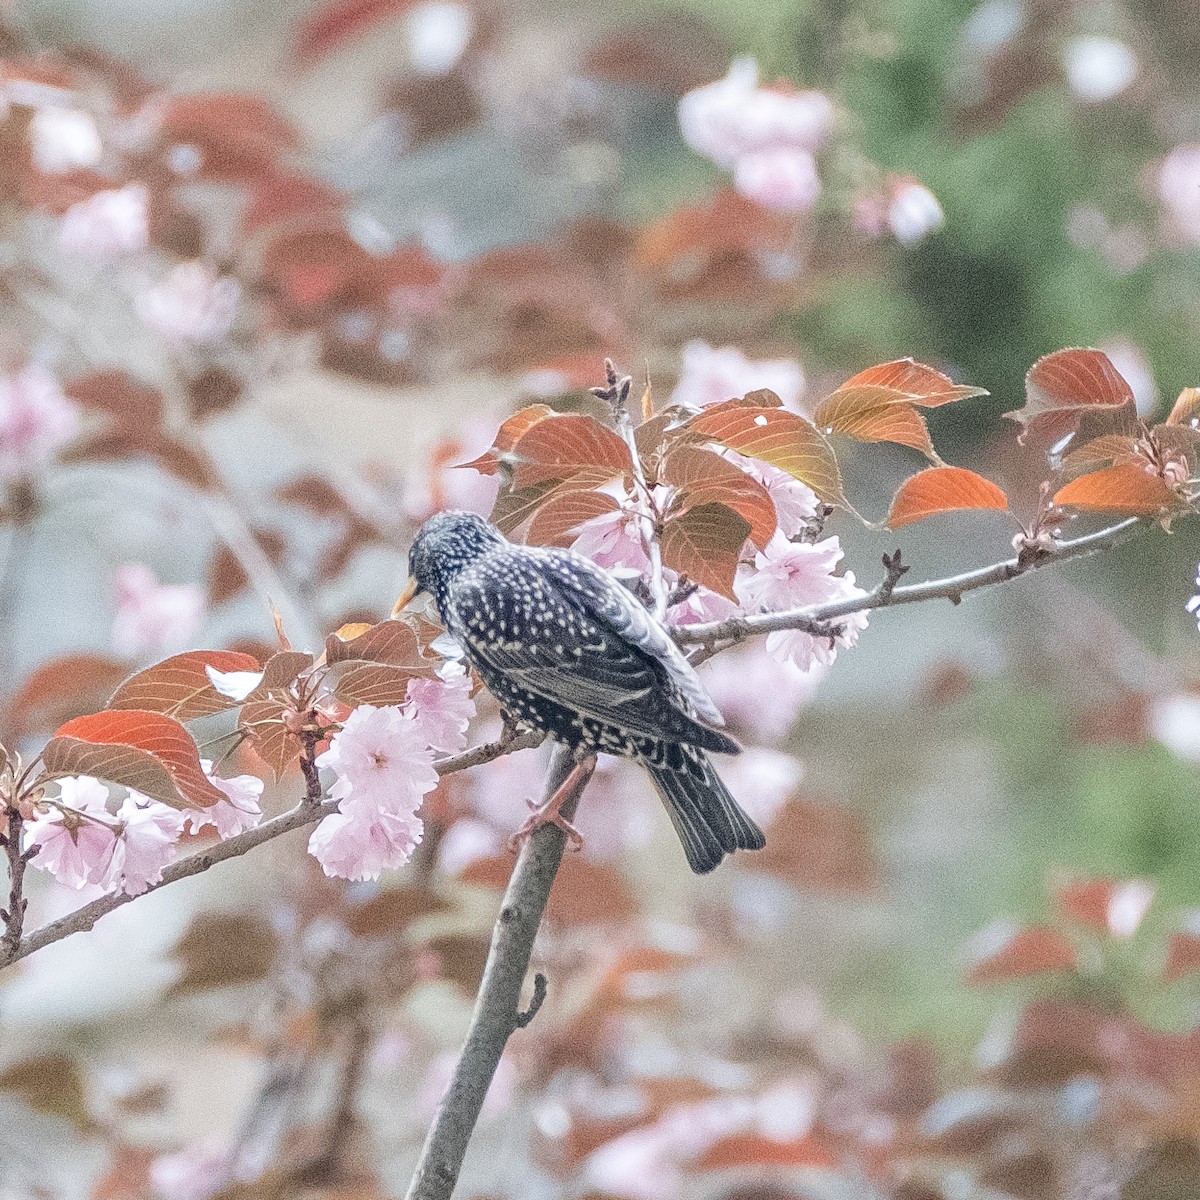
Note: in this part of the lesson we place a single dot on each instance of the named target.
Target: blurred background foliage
(1048, 727)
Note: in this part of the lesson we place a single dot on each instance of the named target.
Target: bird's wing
(620, 612)
(551, 630)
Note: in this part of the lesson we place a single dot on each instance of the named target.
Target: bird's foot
(547, 815)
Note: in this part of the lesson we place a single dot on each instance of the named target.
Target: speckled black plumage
(567, 649)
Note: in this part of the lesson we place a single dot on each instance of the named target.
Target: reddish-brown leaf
(1108, 906)
(1030, 951)
(1100, 452)
(222, 949)
(239, 135)
(330, 25)
(394, 643)
(514, 506)
(559, 447)
(49, 1084)
(1123, 488)
(115, 743)
(271, 740)
(943, 489)
(1059, 386)
(390, 911)
(507, 436)
(280, 672)
(1183, 956)
(372, 683)
(59, 690)
(1186, 408)
(583, 893)
(180, 687)
(702, 477)
(119, 395)
(872, 413)
(558, 520)
(819, 846)
(923, 385)
(757, 1150)
(778, 437)
(705, 544)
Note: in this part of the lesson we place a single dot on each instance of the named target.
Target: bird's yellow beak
(410, 590)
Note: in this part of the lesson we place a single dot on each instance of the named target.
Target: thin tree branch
(14, 915)
(616, 393)
(311, 809)
(497, 1008)
(821, 620)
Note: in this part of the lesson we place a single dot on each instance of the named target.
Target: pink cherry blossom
(107, 224)
(781, 178)
(383, 768)
(439, 484)
(152, 616)
(36, 420)
(443, 708)
(64, 139)
(438, 33)
(148, 837)
(76, 849)
(613, 540)
(193, 304)
(361, 844)
(795, 575)
(240, 810)
(1179, 189)
(711, 375)
(1098, 68)
(795, 503)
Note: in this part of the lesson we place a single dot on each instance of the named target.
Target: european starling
(566, 649)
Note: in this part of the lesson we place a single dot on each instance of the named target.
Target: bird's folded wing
(607, 602)
(610, 682)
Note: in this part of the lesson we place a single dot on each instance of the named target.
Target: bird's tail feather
(709, 821)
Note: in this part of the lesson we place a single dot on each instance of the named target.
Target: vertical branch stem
(497, 1008)
(14, 914)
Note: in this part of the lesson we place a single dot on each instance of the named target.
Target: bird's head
(445, 544)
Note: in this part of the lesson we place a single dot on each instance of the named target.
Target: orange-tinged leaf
(943, 489)
(180, 686)
(702, 477)
(124, 765)
(280, 672)
(705, 544)
(161, 737)
(373, 683)
(1109, 906)
(1030, 951)
(923, 385)
(558, 520)
(757, 1150)
(561, 446)
(1186, 408)
(1100, 452)
(514, 506)
(1059, 386)
(875, 414)
(1122, 488)
(59, 690)
(271, 740)
(778, 437)
(488, 463)
(394, 643)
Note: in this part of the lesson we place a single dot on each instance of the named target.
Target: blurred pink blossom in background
(193, 304)
(1179, 189)
(36, 421)
(107, 224)
(711, 375)
(153, 617)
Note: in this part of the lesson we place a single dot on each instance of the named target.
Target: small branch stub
(535, 1003)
